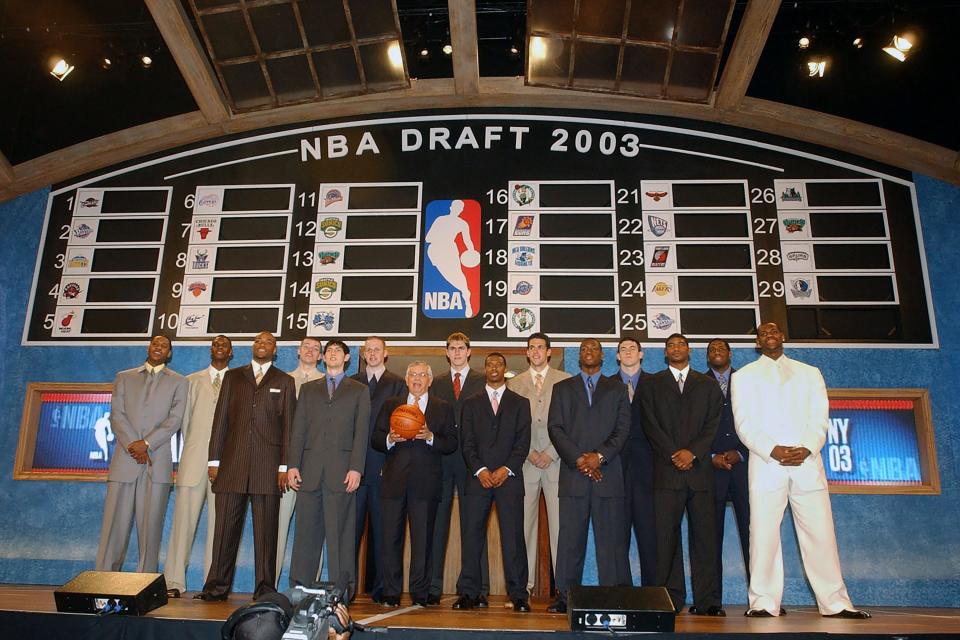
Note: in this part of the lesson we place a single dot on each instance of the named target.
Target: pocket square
(274, 390)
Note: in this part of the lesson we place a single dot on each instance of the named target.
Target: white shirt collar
(534, 373)
(154, 368)
(678, 372)
(491, 392)
(213, 372)
(378, 372)
(422, 404)
(260, 367)
(463, 372)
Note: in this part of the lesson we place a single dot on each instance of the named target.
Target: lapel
(580, 388)
(671, 383)
(248, 375)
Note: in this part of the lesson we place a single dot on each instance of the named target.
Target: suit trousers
(702, 533)
(422, 514)
(288, 503)
(534, 482)
(368, 503)
(813, 519)
(510, 515)
(231, 512)
(641, 518)
(325, 516)
(733, 488)
(607, 517)
(441, 535)
(186, 514)
(143, 501)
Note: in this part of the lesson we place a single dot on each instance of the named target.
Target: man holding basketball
(410, 486)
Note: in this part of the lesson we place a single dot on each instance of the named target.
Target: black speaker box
(113, 592)
(620, 609)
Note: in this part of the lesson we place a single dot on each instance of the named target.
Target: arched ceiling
(620, 55)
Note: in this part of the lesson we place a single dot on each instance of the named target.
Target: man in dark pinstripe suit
(248, 443)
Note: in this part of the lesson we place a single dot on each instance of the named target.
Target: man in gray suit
(328, 448)
(146, 410)
(193, 484)
(541, 469)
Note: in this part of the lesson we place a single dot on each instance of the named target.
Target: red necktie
(456, 385)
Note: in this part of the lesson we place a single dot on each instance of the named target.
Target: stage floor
(892, 621)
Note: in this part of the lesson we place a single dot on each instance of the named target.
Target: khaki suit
(193, 485)
(536, 479)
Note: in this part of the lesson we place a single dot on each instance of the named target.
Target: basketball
(406, 421)
(470, 258)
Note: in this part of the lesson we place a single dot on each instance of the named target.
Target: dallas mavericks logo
(451, 272)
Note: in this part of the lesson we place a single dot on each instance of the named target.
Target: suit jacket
(134, 416)
(540, 413)
(442, 388)
(251, 430)
(577, 427)
(197, 425)
(495, 440)
(330, 435)
(674, 421)
(783, 402)
(414, 466)
(726, 438)
(389, 385)
(638, 450)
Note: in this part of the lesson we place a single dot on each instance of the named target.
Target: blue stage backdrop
(896, 550)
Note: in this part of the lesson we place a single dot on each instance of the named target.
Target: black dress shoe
(481, 602)
(210, 597)
(709, 611)
(850, 614)
(757, 613)
(558, 606)
(464, 602)
(433, 599)
(420, 602)
(173, 593)
(521, 605)
(390, 601)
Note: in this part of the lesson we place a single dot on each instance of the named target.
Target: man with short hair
(193, 484)
(146, 409)
(248, 449)
(681, 410)
(411, 483)
(328, 448)
(308, 354)
(638, 463)
(454, 387)
(589, 425)
(781, 412)
(382, 384)
(729, 457)
(496, 440)
(541, 469)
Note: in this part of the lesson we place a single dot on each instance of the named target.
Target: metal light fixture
(447, 49)
(424, 53)
(106, 64)
(804, 42)
(61, 69)
(899, 47)
(816, 67)
(858, 43)
(146, 61)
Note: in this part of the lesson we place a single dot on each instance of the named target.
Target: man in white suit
(193, 486)
(780, 409)
(541, 469)
(145, 411)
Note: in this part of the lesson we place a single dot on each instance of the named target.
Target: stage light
(804, 42)
(424, 53)
(899, 47)
(816, 68)
(396, 57)
(858, 43)
(514, 50)
(538, 48)
(146, 61)
(106, 63)
(447, 49)
(61, 69)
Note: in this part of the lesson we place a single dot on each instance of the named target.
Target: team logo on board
(451, 272)
(89, 203)
(662, 321)
(208, 200)
(82, 230)
(794, 225)
(71, 290)
(798, 256)
(197, 288)
(800, 288)
(523, 319)
(656, 196)
(79, 262)
(662, 289)
(332, 196)
(325, 288)
(524, 226)
(201, 259)
(204, 226)
(523, 194)
(331, 227)
(328, 257)
(658, 226)
(660, 255)
(192, 321)
(523, 288)
(324, 320)
(790, 194)
(67, 319)
(523, 256)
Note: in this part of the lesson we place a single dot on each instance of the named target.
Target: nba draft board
(495, 224)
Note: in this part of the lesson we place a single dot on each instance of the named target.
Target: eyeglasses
(418, 374)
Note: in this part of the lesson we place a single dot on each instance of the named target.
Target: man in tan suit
(541, 469)
(248, 444)
(193, 485)
(308, 354)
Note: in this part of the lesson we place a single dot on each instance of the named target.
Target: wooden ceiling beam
(6, 172)
(191, 58)
(749, 43)
(463, 38)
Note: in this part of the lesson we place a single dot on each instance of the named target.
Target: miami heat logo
(451, 272)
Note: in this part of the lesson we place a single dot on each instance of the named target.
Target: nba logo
(451, 272)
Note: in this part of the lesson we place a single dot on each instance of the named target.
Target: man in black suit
(637, 459)
(248, 444)
(454, 387)
(681, 411)
(410, 485)
(589, 425)
(495, 436)
(383, 384)
(729, 457)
